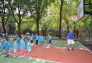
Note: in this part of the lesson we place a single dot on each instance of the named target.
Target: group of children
(24, 43)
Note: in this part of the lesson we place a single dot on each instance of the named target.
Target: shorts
(15, 50)
(49, 41)
(29, 50)
(31, 41)
(36, 42)
(71, 41)
(22, 50)
(6, 50)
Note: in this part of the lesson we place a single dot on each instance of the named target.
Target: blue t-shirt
(37, 38)
(30, 37)
(49, 37)
(22, 44)
(15, 45)
(18, 39)
(6, 45)
(41, 39)
(1, 46)
(28, 46)
(70, 35)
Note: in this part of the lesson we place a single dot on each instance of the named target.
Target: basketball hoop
(76, 17)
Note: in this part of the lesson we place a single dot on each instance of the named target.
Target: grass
(58, 43)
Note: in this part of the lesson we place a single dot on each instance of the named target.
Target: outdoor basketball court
(61, 55)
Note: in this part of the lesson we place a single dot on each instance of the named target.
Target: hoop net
(76, 17)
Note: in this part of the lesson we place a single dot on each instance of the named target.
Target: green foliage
(88, 8)
(28, 23)
(44, 14)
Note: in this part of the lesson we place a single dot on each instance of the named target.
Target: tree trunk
(3, 26)
(37, 26)
(67, 23)
(3, 20)
(60, 24)
(19, 23)
(20, 20)
(19, 27)
(38, 15)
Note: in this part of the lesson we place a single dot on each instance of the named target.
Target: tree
(39, 7)
(4, 14)
(17, 8)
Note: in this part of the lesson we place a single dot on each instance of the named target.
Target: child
(41, 39)
(29, 47)
(22, 45)
(15, 46)
(31, 38)
(6, 47)
(70, 38)
(49, 40)
(27, 35)
(18, 41)
(37, 38)
(1, 47)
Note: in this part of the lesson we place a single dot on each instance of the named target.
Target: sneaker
(72, 49)
(68, 49)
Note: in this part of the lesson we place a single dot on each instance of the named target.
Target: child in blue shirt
(31, 37)
(49, 38)
(29, 46)
(22, 46)
(37, 38)
(70, 38)
(22, 42)
(6, 47)
(18, 41)
(41, 39)
(1, 46)
(15, 46)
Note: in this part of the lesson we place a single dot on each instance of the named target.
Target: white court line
(89, 51)
(38, 59)
(44, 60)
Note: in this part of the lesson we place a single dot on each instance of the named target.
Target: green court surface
(63, 43)
(12, 59)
